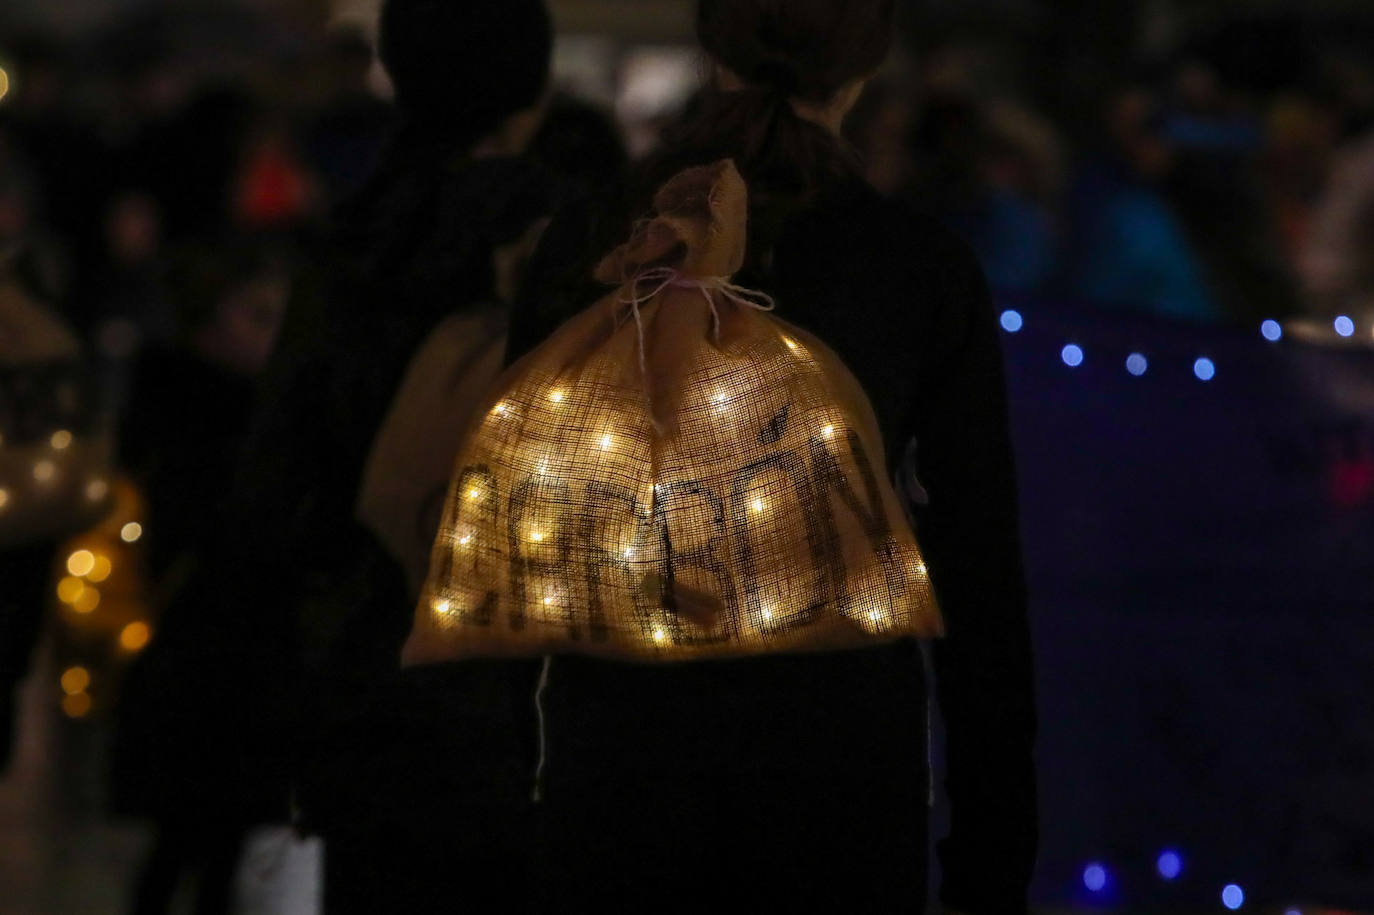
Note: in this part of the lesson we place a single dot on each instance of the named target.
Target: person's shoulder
(898, 226)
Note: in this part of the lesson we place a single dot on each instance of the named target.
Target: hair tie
(777, 77)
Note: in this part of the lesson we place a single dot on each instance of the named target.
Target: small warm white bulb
(537, 536)
(758, 505)
(556, 396)
(660, 636)
(605, 442)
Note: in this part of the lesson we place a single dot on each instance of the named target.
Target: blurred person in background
(195, 749)
(800, 782)
(346, 127)
(1213, 184)
(36, 348)
(416, 780)
(991, 173)
(1301, 133)
(1125, 248)
(68, 163)
(1336, 260)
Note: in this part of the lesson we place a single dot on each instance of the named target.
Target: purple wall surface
(1201, 558)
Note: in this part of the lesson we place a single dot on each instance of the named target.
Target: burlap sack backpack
(675, 474)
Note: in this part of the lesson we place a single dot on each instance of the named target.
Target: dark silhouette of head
(460, 68)
(807, 49)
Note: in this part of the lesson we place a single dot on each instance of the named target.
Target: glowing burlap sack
(674, 474)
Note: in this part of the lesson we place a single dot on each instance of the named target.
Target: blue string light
(1272, 331)
(1344, 326)
(1095, 877)
(1169, 865)
(1233, 897)
(1136, 364)
(1072, 355)
(1204, 369)
(1011, 321)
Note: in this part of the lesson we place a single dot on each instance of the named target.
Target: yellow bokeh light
(96, 490)
(131, 532)
(4, 498)
(75, 680)
(102, 569)
(87, 600)
(69, 589)
(4, 83)
(81, 562)
(76, 706)
(44, 471)
(134, 636)
(60, 440)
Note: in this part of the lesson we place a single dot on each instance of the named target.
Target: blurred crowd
(132, 170)
(1180, 191)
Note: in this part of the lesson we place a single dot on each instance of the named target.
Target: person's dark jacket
(905, 305)
(379, 750)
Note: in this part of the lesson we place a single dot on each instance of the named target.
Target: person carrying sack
(756, 773)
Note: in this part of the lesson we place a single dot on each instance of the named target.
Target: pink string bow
(669, 276)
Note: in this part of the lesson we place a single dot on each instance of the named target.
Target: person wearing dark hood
(799, 782)
(412, 779)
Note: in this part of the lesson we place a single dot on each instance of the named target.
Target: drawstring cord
(668, 276)
(538, 793)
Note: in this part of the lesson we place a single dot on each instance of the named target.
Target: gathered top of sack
(675, 474)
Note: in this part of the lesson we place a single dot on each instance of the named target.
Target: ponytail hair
(783, 51)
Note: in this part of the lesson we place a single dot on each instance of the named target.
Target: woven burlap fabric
(673, 476)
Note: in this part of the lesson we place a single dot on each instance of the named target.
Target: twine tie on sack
(667, 277)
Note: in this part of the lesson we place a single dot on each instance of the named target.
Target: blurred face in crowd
(1129, 119)
(15, 207)
(133, 229)
(244, 328)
